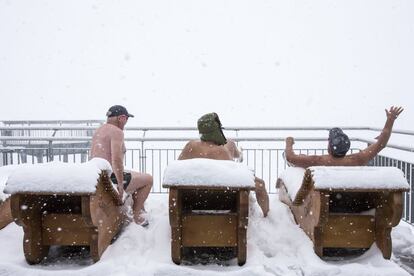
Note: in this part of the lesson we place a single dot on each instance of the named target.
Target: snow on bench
(375, 178)
(54, 177)
(5, 171)
(208, 172)
(292, 178)
(346, 178)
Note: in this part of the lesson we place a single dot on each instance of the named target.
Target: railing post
(372, 161)
(143, 156)
(50, 151)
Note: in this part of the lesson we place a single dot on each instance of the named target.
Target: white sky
(256, 63)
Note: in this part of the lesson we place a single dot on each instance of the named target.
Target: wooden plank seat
(207, 215)
(86, 217)
(345, 207)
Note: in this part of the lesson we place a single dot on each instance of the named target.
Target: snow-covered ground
(276, 246)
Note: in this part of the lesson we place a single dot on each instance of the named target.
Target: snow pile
(292, 177)
(275, 246)
(57, 177)
(358, 178)
(208, 172)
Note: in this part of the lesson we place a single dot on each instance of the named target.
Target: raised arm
(117, 161)
(300, 160)
(382, 140)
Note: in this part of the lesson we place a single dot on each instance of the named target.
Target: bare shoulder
(187, 151)
(113, 131)
(191, 144)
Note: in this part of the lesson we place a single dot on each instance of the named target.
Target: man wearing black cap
(214, 145)
(339, 144)
(108, 143)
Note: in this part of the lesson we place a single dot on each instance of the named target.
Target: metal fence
(148, 154)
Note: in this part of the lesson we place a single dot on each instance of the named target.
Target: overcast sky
(256, 63)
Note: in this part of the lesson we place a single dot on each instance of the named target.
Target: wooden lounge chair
(77, 218)
(5, 213)
(203, 215)
(345, 207)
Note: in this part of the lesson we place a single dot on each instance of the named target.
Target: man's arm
(382, 140)
(300, 160)
(117, 154)
(232, 148)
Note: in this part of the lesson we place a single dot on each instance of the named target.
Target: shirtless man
(213, 145)
(108, 143)
(338, 145)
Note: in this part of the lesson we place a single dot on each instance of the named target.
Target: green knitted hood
(209, 127)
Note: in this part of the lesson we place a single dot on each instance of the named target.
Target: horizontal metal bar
(398, 131)
(163, 128)
(183, 139)
(231, 128)
(371, 141)
(153, 139)
(34, 122)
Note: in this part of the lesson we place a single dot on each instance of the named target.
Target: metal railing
(262, 148)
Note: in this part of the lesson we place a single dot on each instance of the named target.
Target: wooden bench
(208, 216)
(71, 219)
(349, 217)
(5, 213)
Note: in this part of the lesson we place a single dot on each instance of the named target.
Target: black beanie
(339, 143)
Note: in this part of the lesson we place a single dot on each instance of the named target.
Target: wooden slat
(66, 229)
(5, 213)
(209, 230)
(205, 187)
(349, 231)
(64, 220)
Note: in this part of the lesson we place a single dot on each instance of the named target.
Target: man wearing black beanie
(339, 144)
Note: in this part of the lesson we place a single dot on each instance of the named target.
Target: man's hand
(290, 141)
(393, 113)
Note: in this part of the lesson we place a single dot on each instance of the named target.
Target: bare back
(102, 139)
(202, 149)
(305, 161)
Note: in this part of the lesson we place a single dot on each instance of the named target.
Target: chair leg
(176, 248)
(241, 246)
(384, 242)
(34, 250)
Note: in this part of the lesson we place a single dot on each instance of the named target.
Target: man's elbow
(290, 156)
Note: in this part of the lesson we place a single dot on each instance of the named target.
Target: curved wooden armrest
(107, 184)
(305, 188)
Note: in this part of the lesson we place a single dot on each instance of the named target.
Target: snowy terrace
(276, 245)
(150, 149)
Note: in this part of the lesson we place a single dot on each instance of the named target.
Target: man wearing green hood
(214, 145)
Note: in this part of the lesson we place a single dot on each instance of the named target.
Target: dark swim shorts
(127, 179)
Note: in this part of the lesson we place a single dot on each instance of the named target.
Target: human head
(210, 129)
(338, 142)
(118, 115)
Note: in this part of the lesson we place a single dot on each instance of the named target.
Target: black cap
(118, 110)
(338, 142)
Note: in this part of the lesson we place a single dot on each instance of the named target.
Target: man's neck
(114, 124)
(209, 143)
